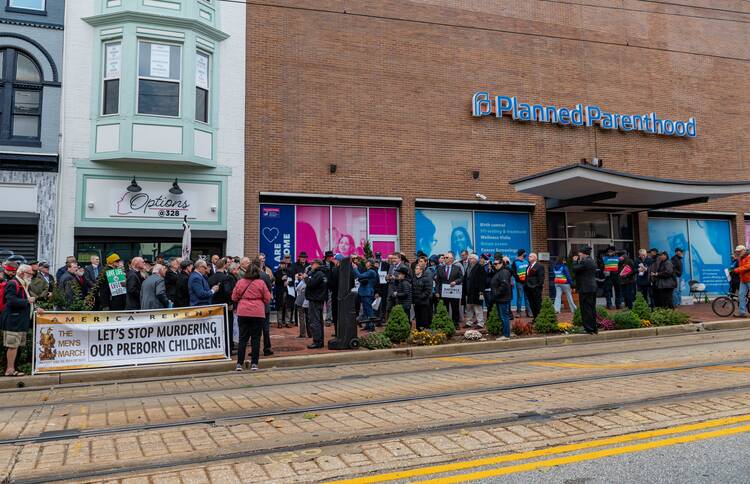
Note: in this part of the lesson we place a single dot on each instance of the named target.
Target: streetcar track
(193, 391)
(63, 435)
(546, 416)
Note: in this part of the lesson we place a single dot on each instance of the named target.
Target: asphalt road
(721, 460)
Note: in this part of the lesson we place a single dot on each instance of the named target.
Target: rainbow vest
(521, 266)
(611, 263)
(560, 277)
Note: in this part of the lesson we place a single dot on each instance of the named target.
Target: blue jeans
(520, 298)
(366, 306)
(677, 294)
(503, 309)
(744, 289)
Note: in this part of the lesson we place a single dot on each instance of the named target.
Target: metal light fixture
(134, 187)
(175, 190)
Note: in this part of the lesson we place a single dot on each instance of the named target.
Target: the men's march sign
(68, 341)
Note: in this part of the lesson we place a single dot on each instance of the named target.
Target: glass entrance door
(599, 245)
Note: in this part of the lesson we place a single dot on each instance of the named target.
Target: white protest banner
(382, 275)
(68, 341)
(449, 292)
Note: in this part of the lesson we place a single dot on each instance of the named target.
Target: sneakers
(502, 338)
(238, 367)
(253, 367)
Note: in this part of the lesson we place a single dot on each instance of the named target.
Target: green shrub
(602, 313)
(442, 322)
(375, 341)
(627, 320)
(398, 327)
(494, 323)
(668, 317)
(577, 318)
(426, 338)
(546, 320)
(640, 307)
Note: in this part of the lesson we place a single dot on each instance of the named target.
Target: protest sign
(449, 292)
(67, 341)
(115, 278)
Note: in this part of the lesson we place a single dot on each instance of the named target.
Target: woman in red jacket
(251, 295)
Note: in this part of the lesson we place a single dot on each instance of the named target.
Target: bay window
(202, 80)
(159, 67)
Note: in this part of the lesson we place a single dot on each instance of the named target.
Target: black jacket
(317, 287)
(677, 266)
(474, 283)
(645, 278)
(502, 290)
(182, 293)
(17, 313)
(456, 275)
(584, 271)
(402, 292)
(88, 274)
(630, 278)
(67, 282)
(106, 300)
(133, 282)
(535, 276)
(170, 284)
(421, 290)
(226, 286)
(664, 278)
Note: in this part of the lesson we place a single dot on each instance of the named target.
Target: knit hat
(112, 258)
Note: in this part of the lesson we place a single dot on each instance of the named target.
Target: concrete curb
(364, 356)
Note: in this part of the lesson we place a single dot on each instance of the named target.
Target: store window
(202, 80)
(28, 4)
(111, 78)
(148, 249)
(20, 96)
(159, 79)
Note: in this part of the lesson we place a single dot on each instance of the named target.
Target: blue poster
(669, 234)
(710, 253)
(276, 233)
(502, 232)
(440, 231)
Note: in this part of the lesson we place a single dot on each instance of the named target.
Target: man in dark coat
(70, 279)
(182, 290)
(534, 284)
(502, 292)
(171, 278)
(474, 285)
(585, 269)
(316, 293)
(452, 275)
(107, 301)
(677, 268)
(133, 282)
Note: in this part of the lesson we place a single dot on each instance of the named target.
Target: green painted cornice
(124, 16)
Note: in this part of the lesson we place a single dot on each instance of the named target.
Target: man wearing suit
(534, 284)
(133, 282)
(584, 270)
(450, 274)
(91, 272)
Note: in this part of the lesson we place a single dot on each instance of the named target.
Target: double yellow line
(562, 449)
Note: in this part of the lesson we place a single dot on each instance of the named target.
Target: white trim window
(202, 83)
(159, 75)
(111, 78)
(28, 4)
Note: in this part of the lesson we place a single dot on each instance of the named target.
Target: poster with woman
(348, 230)
(439, 231)
(313, 230)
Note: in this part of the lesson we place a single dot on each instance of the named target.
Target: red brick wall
(383, 90)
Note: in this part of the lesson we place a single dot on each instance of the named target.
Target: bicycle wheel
(723, 306)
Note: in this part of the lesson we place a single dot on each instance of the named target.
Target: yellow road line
(560, 449)
(468, 360)
(599, 454)
(733, 369)
(618, 366)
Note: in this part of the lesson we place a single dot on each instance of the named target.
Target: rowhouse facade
(363, 123)
(31, 40)
(151, 136)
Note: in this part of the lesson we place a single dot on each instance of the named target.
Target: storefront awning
(582, 187)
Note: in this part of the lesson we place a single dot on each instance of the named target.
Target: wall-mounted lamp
(175, 190)
(475, 174)
(332, 168)
(134, 187)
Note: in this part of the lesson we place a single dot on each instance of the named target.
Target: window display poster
(277, 233)
(159, 66)
(384, 221)
(669, 234)
(348, 230)
(112, 62)
(313, 230)
(384, 247)
(747, 234)
(440, 231)
(201, 71)
(502, 232)
(710, 253)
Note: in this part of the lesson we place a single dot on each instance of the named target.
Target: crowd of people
(305, 293)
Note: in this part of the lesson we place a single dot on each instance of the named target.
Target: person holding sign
(251, 295)
(112, 285)
(448, 277)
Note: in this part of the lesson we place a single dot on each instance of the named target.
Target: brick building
(359, 121)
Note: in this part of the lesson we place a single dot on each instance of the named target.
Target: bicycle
(724, 306)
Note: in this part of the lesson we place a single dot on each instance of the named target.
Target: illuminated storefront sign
(581, 115)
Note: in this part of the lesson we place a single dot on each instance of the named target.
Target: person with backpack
(16, 315)
(502, 292)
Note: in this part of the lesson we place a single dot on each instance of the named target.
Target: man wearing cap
(585, 269)
(106, 299)
(9, 272)
(300, 267)
(316, 293)
(743, 269)
(42, 283)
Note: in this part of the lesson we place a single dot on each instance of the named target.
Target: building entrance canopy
(583, 187)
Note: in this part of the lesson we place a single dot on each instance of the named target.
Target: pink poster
(348, 230)
(383, 221)
(747, 235)
(385, 248)
(313, 229)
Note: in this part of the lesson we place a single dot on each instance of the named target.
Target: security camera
(480, 196)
